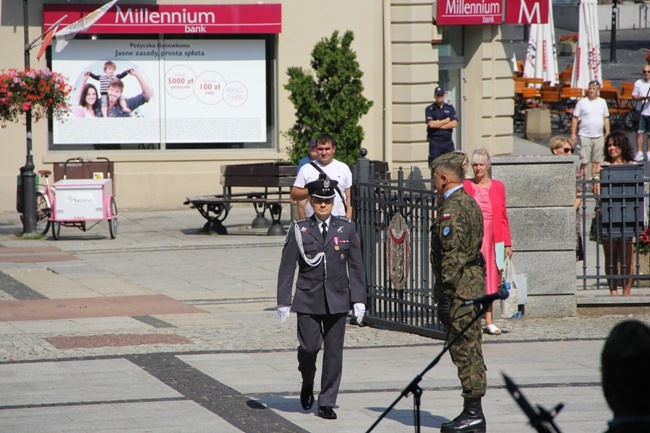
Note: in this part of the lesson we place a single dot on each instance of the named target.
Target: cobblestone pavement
(168, 329)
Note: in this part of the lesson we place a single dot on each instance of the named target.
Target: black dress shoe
(326, 412)
(307, 397)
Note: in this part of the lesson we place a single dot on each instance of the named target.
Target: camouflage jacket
(456, 238)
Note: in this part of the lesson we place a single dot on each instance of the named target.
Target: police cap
(322, 188)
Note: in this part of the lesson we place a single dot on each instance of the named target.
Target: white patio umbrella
(586, 64)
(541, 54)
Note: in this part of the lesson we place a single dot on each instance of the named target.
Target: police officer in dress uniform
(456, 237)
(331, 281)
(441, 120)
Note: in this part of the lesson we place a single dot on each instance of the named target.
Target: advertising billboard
(171, 91)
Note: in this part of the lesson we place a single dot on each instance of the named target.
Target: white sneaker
(639, 156)
(492, 329)
(647, 156)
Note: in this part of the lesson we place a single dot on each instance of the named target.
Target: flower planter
(644, 269)
(567, 48)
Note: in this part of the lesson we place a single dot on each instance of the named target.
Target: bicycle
(43, 205)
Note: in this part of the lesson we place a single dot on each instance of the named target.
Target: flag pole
(31, 45)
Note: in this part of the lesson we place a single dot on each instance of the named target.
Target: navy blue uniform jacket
(316, 292)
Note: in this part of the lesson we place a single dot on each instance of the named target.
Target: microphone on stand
(503, 293)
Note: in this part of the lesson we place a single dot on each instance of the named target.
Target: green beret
(456, 157)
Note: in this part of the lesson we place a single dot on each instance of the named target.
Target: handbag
(635, 115)
(593, 229)
(580, 252)
(510, 305)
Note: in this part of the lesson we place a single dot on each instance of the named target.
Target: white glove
(359, 312)
(283, 314)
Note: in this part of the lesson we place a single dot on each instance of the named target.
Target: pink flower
(41, 91)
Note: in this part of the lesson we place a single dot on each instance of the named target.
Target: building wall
(486, 118)
(162, 179)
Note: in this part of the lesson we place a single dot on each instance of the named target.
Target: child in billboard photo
(104, 82)
(116, 90)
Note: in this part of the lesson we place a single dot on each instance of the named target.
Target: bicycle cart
(77, 202)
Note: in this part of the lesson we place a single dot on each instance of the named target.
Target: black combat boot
(470, 420)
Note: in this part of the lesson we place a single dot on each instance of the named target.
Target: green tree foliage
(329, 102)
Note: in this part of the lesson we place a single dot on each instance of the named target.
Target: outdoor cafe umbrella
(541, 54)
(586, 64)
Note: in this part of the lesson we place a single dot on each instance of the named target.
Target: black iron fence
(612, 224)
(393, 217)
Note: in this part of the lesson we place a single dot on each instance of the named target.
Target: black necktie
(324, 226)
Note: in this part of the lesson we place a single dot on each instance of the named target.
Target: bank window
(452, 42)
(168, 93)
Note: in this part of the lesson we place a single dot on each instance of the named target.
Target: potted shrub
(642, 245)
(568, 44)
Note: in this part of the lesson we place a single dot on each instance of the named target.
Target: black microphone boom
(501, 294)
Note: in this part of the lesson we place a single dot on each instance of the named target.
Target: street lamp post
(612, 44)
(27, 172)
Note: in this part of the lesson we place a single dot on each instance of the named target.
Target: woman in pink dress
(490, 194)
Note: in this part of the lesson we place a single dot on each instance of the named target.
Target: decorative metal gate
(396, 250)
(612, 224)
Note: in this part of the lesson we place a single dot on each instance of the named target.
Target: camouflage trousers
(467, 352)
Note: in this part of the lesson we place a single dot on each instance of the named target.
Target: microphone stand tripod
(414, 387)
(542, 421)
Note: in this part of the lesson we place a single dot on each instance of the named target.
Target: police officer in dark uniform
(331, 282)
(441, 120)
(459, 268)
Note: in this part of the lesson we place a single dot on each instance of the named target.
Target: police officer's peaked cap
(322, 188)
(456, 157)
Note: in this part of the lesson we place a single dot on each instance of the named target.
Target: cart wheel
(42, 214)
(56, 230)
(112, 223)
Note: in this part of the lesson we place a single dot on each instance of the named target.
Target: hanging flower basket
(41, 91)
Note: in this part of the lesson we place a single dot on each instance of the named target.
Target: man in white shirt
(333, 169)
(640, 93)
(593, 115)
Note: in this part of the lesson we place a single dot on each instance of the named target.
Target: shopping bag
(510, 305)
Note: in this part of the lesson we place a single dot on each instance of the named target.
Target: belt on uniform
(440, 139)
(478, 261)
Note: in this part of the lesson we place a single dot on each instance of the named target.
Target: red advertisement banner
(172, 19)
(527, 11)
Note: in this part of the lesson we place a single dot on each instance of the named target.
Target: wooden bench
(270, 185)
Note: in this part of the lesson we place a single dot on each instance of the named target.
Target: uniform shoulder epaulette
(342, 218)
(301, 220)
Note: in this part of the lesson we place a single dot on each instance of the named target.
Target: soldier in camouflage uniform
(456, 237)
